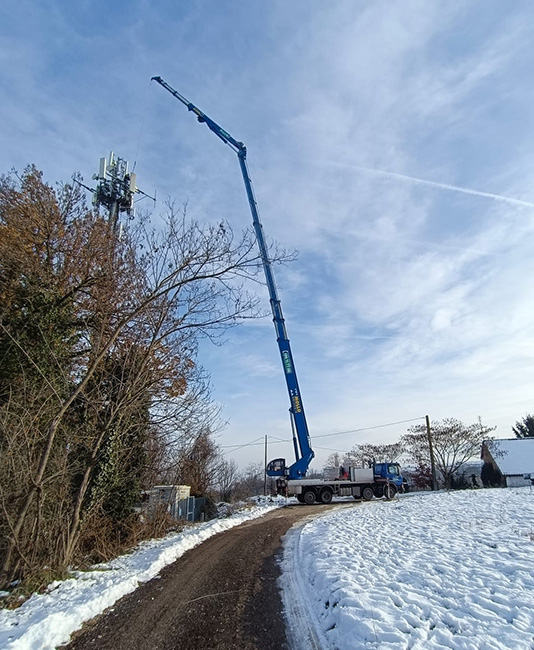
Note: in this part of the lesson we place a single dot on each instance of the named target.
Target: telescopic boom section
(303, 451)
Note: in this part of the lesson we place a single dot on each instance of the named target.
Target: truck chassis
(310, 491)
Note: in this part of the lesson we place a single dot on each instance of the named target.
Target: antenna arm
(90, 189)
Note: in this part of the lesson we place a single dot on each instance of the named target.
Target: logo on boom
(286, 359)
(297, 408)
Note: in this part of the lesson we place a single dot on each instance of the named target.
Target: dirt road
(222, 594)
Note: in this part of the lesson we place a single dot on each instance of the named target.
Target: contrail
(443, 186)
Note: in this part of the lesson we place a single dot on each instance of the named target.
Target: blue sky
(407, 298)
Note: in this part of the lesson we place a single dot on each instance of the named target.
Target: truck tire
(390, 491)
(300, 498)
(309, 497)
(367, 493)
(326, 495)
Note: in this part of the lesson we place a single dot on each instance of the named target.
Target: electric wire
(261, 440)
(247, 444)
(340, 451)
(253, 443)
(378, 426)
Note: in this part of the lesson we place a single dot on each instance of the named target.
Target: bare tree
(197, 464)
(251, 481)
(226, 479)
(332, 465)
(367, 454)
(99, 353)
(455, 444)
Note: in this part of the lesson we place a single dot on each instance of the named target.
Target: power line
(378, 426)
(261, 441)
(253, 443)
(341, 451)
(236, 447)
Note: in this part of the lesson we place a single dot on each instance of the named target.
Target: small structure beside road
(176, 500)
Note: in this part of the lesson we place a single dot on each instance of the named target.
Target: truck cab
(390, 473)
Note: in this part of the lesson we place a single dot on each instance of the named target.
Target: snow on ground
(425, 571)
(46, 621)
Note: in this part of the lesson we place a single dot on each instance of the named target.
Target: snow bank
(424, 572)
(46, 621)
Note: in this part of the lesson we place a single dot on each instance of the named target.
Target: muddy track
(222, 594)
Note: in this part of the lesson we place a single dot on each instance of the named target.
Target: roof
(513, 455)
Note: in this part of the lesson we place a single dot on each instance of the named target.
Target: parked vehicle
(381, 480)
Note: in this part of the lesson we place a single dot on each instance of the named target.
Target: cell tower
(116, 188)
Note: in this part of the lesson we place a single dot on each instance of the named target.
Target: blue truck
(381, 480)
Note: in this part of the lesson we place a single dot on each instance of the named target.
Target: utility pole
(432, 461)
(265, 471)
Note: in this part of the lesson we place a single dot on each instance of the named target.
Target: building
(175, 499)
(508, 462)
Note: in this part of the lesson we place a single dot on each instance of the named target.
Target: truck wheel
(367, 493)
(300, 498)
(326, 495)
(309, 497)
(390, 491)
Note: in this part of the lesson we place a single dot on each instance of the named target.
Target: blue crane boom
(301, 438)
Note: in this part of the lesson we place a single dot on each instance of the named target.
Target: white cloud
(406, 298)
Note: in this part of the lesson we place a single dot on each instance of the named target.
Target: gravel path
(222, 594)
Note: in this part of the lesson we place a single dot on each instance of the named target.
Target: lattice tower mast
(116, 188)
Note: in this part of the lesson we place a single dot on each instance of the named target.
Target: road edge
(302, 627)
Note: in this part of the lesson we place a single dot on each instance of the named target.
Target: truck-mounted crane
(301, 437)
(383, 479)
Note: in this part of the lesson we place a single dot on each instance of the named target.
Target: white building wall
(516, 481)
